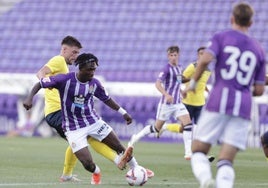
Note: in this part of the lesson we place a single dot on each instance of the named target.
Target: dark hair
(173, 49)
(85, 58)
(71, 41)
(243, 14)
(201, 48)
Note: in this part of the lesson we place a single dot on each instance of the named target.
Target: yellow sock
(102, 149)
(174, 127)
(69, 162)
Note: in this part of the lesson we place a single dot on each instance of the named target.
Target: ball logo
(47, 79)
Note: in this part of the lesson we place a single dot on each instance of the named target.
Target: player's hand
(190, 87)
(128, 118)
(27, 104)
(184, 93)
(169, 99)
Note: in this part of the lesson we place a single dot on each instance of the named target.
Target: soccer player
(80, 119)
(194, 101)
(264, 137)
(70, 48)
(170, 105)
(239, 74)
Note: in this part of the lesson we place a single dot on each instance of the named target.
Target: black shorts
(194, 112)
(54, 120)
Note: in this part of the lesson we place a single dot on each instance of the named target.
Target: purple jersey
(171, 77)
(77, 100)
(240, 62)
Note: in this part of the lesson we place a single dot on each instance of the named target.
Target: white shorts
(214, 127)
(166, 111)
(78, 138)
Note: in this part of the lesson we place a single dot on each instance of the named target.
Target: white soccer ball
(137, 176)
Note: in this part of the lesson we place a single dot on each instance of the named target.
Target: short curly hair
(85, 58)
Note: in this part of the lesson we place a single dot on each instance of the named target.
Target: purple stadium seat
(128, 35)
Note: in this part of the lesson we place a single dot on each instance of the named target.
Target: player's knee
(89, 165)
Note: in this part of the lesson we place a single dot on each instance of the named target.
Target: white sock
(225, 174)
(201, 167)
(187, 138)
(145, 131)
(117, 159)
(97, 169)
(132, 163)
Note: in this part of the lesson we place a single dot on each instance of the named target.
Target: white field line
(111, 183)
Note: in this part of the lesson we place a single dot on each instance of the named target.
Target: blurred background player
(170, 105)
(239, 74)
(264, 136)
(80, 120)
(194, 101)
(70, 48)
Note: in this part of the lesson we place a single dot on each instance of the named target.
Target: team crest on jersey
(79, 101)
(91, 89)
(179, 78)
(46, 79)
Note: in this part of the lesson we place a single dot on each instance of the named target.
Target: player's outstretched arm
(28, 101)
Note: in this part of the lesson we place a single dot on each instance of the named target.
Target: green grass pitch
(37, 162)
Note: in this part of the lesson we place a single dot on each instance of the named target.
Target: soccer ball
(137, 176)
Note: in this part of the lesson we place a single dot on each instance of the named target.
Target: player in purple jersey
(80, 119)
(239, 74)
(170, 105)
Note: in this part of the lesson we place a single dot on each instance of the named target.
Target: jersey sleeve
(100, 92)
(213, 46)
(52, 81)
(163, 74)
(56, 65)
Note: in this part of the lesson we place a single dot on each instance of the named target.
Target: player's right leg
(54, 120)
(70, 161)
(85, 158)
(200, 164)
(148, 129)
(77, 140)
(187, 138)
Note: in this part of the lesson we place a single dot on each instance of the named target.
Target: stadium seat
(132, 32)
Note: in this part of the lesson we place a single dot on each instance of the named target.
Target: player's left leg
(225, 172)
(103, 150)
(148, 129)
(234, 131)
(171, 127)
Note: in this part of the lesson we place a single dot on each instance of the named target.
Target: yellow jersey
(57, 65)
(196, 98)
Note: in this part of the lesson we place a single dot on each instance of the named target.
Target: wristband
(122, 111)
(192, 84)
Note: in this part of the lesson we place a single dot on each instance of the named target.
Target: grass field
(37, 162)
